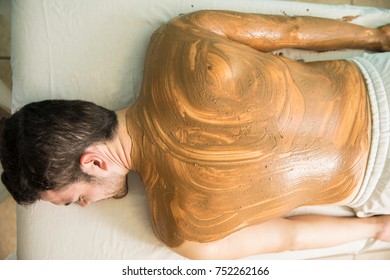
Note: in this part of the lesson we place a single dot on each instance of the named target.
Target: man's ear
(93, 163)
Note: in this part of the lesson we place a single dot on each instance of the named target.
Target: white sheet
(94, 50)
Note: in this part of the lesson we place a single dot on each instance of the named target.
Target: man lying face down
(226, 137)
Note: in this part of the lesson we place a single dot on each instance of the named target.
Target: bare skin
(227, 138)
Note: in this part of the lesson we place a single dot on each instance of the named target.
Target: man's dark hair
(41, 145)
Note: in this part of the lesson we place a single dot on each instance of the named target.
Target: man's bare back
(233, 136)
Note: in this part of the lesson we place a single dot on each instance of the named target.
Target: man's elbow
(198, 251)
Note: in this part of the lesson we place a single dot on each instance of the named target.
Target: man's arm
(271, 32)
(295, 233)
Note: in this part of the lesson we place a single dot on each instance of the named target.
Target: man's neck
(132, 134)
(121, 146)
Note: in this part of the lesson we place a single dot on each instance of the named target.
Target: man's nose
(83, 203)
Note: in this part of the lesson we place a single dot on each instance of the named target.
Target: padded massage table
(94, 50)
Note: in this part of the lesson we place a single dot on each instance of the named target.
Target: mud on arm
(272, 32)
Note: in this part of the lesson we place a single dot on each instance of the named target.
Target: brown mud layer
(226, 136)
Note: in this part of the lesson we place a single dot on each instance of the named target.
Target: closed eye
(78, 200)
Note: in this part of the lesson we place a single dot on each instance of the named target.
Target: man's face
(84, 193)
